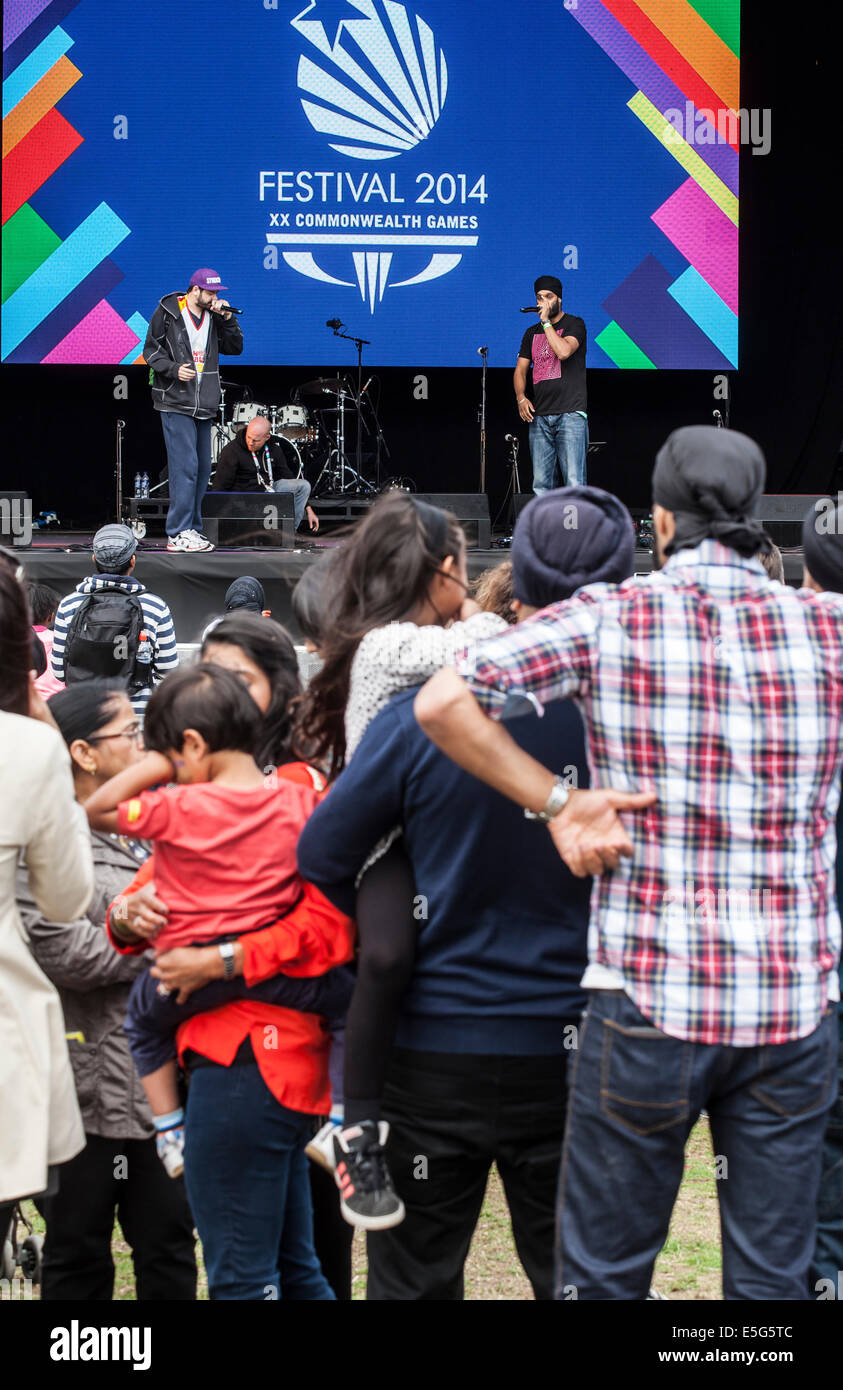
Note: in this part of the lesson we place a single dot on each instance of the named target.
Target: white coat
(40, 1122)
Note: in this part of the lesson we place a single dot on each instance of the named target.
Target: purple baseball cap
(207, 279)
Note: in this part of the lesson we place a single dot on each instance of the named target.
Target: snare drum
(245, 412)
(291, 422)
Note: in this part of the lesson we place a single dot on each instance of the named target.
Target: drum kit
(314, 434)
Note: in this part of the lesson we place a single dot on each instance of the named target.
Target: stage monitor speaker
(15, 517)
(521, 500)
(471, 510)
(782, 514)
(250, 519)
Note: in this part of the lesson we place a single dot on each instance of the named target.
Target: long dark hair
(381, 573)
(266, 643)
(15, 641)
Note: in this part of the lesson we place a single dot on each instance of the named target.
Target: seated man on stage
(255, 461)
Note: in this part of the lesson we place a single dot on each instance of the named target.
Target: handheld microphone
(482, 351)
(530, 309)
(366, 387)
(511, 438)
(229, 309)
(333, 323)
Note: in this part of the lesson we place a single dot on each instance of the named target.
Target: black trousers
(450, 1118)
(126, 1177)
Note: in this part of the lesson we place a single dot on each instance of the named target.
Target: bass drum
(293, 454)
(245, 411)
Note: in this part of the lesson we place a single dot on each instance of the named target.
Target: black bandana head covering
(570, 537)
(822, 542)
(548, 282)
(246, 592)
(712, 481)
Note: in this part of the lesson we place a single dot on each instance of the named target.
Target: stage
(194, 585)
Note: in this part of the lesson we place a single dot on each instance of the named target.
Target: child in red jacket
(225, 863)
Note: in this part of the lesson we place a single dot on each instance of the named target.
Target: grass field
(688, 1267)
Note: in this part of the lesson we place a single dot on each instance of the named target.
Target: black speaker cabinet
(471, 510)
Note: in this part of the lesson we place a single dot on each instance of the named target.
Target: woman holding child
(225, 837)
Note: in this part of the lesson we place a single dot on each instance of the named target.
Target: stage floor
(194, 585)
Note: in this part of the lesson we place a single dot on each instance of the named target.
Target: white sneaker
(170, 1146)
(202, 541)
(320, 1149)
(185, 540)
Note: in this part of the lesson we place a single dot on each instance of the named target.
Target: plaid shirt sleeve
(550, 656)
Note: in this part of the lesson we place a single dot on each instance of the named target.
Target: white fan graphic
(384, 118)
(376, 91)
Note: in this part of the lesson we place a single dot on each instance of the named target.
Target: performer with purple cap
(186, 335)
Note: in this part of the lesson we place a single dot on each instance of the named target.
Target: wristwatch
(226, 950)
(555, 803)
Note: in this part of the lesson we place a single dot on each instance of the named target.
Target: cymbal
(323, 387)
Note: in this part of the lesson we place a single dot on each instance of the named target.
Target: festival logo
(374, 81)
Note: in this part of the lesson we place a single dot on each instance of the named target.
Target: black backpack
(107, 637)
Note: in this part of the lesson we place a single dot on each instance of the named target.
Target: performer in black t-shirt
(255, 461)
(555, 349)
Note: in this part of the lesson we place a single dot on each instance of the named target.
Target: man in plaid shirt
(713, 703)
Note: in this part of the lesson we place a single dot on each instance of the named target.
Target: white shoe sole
(373, 1223)
(320, 1149)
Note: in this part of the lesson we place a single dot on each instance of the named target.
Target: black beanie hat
(567, 538)
(548, 282)
(822, 543)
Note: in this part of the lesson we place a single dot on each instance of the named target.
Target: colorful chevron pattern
(54, 289)
(680, 55)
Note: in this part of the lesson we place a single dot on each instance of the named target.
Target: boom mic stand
(380, 442)
(359, 343)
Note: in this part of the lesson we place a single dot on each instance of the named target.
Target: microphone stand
(484, 353)
(358, 343)
(118, 468)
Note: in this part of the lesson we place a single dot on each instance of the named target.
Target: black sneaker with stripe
(367, 1196)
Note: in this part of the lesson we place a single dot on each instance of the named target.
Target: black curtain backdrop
(60, 422)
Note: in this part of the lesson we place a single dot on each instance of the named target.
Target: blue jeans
(300, 488)
(828, 1256)
(558, 448)
(248, 1187)
(636, 1095)
(189, 468)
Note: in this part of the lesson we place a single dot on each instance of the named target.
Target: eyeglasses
(134, 732)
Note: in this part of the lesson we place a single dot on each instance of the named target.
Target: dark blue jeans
(826, 1279)
(248, 1187)
(558, 449)
(152, 1019)
(188, 469)
(636, 1095)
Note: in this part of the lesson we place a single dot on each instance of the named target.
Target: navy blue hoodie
(502, 948)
